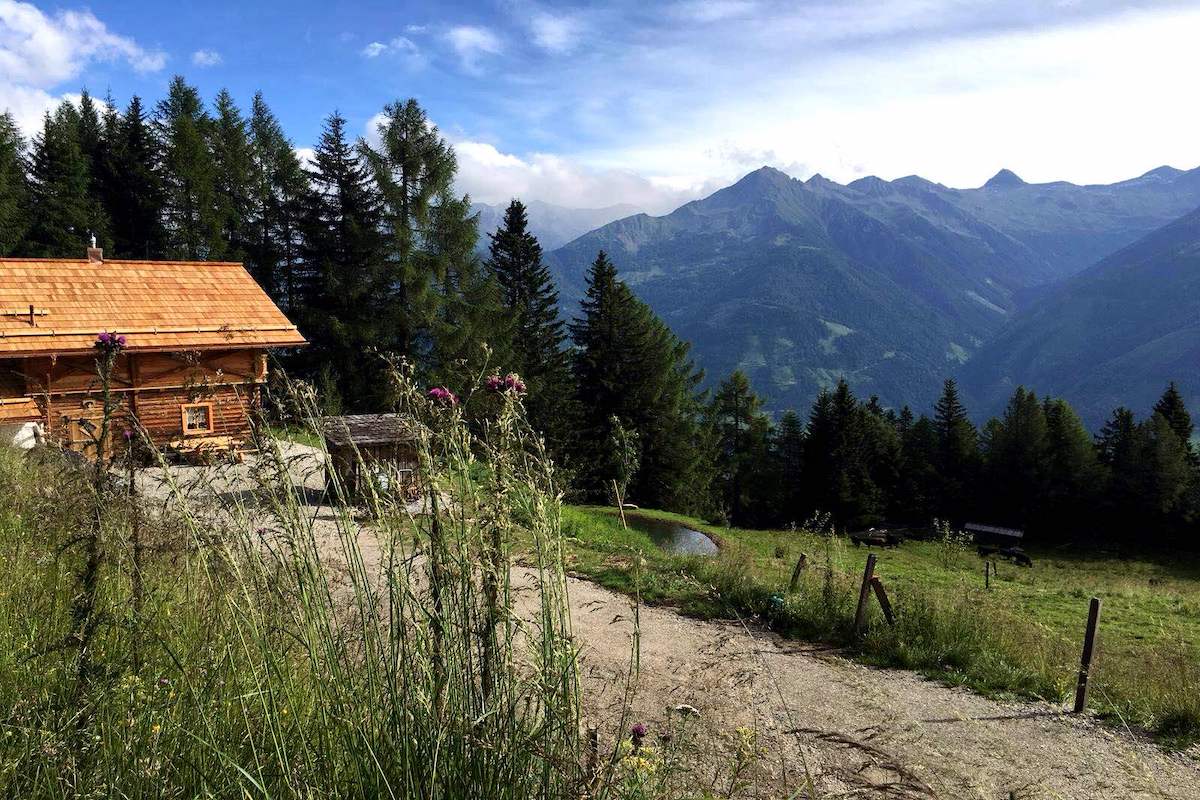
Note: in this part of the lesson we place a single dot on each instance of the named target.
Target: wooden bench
(207, 449)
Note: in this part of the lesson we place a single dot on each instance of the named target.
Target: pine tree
(346, 275)
(233, 182)
(93, 146)
(278, 188)
(789, 456)
(135, 194)
(917, 491)
(1174, 411)
(840, 458)
(61, 212)
(958, 456)
(1015, 458)
(630, 366)
(414, 168)
(1073, 473)
(14, 186)
(534, 338)
(182, 126)
(740, 432)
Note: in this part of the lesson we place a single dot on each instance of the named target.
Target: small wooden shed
(372, 447)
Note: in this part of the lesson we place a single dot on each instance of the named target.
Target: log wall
(151, 386)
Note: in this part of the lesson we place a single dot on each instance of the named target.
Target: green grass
(295, 433)
(1021, 638)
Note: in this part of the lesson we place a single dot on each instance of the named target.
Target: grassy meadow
(1022, 637)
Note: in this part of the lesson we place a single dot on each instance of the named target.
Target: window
(198, 418)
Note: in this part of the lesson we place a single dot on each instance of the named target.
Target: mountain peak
(1004, 179)
(1164, 172)
(762, 181)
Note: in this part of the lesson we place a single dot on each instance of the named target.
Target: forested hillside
(1107, 336)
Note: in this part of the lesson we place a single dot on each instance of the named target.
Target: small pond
(673, 537)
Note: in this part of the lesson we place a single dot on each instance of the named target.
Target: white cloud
(492, 176)
(416, 29)
(471, 43)
(38, 53)
(400, 47)
(713, 10)
(553, 33)
(206, 58)
(307, 156)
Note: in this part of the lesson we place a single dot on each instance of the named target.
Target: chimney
(95, 254)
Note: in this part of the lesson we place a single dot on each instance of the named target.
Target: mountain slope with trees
(1112, 335)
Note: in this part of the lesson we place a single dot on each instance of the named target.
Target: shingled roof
(363, 430)
(58, 306)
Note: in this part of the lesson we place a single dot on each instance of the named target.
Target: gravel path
(863, 732)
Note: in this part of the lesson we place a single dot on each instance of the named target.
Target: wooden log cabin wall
(197, 337)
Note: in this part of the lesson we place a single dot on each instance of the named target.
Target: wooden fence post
(801, 562)
(1085, 661)
(884, 603)
(868, 573)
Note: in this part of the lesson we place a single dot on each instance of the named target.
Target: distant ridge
(891, 284)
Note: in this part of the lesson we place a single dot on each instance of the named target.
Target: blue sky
(654, 103)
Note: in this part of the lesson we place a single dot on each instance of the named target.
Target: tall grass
(266, 655)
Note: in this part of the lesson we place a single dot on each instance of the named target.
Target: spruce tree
(346, 274)
(278, 189)
(233, 182)
(1016, 459)
(958, 456)
(917, 491)
(789, 456)
(1073, 474)
(630, 366)
(135, 194)
(840, 455)
(61, 212)
(534, 337)
(183, 127)
(1172, 408)
(93, 146)
(14, 186)
(740, 433)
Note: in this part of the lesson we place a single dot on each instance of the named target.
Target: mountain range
(553, 225)
(893, 285)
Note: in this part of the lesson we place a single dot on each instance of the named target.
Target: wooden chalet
(195, 355)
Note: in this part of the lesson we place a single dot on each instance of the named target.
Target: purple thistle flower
(494, 383)
(443, 395)
(128, 434)
(638, 731)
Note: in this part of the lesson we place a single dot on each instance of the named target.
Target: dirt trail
(863, 732)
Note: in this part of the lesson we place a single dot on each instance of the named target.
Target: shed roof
(367, 429)
(59, 305)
